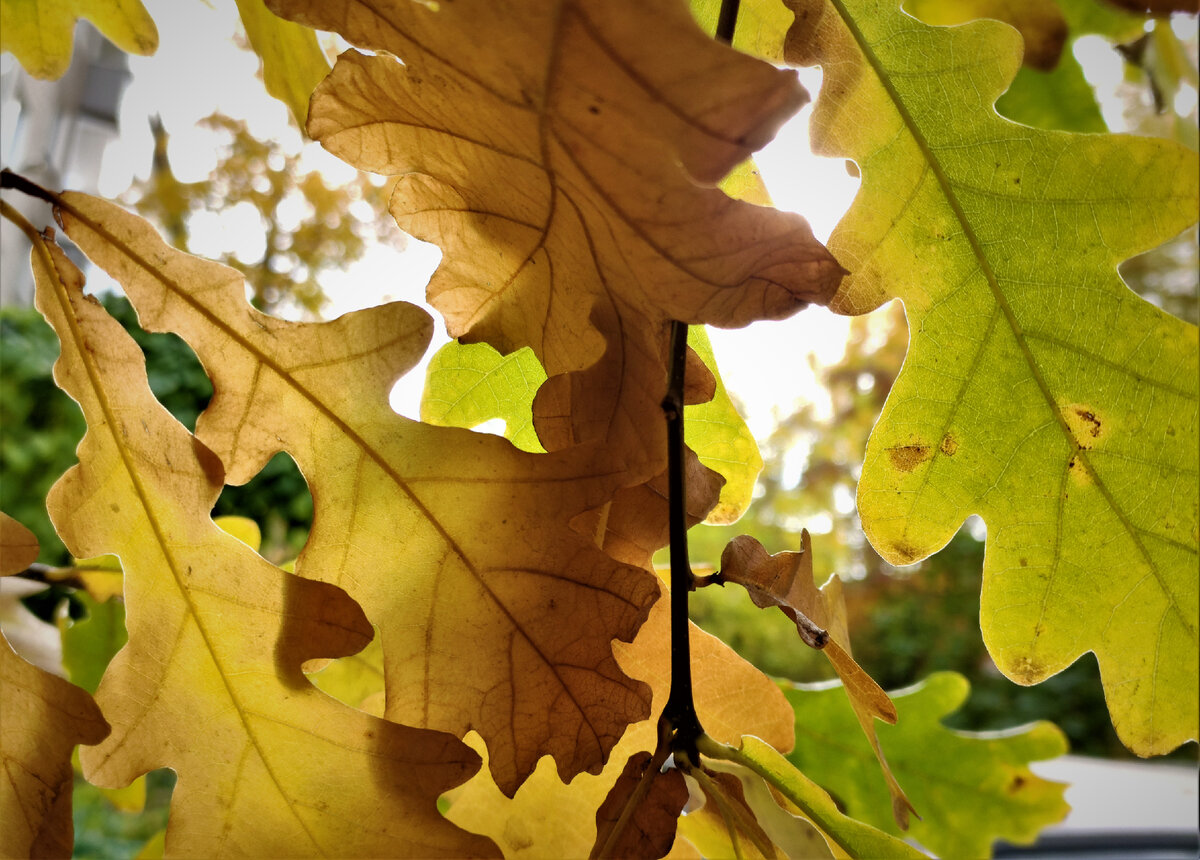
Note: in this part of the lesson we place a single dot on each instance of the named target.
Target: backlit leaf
(293, 63)
(468, 384)
(845, 836)
(1041, 23)
(1039, 392)
(18, 546)
(41, 33)
(971, 788)
(435, 531)
(546, 165)
(638, 816)
(283, 768)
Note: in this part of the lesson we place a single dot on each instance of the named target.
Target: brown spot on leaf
(905, 553)
(1086, 424)
(905, 458)
(1017, 783)
(949, 445)
(1078, 470)
(1024, 562)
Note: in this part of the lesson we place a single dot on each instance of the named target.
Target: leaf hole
(278, 499)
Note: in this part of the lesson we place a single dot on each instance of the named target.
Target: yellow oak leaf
(292, 61)
(785, 580)
(41, 33)
(42, 718)
(1038, 392)
(556, 165)
(495, 615)
(217, 636)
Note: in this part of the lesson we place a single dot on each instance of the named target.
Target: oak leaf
(785, 580)
(639, 814)
(43, 718)
(546, 165)
(1039, 392)
(41, 33)
(971, 788)
(284, 769)
(434, 531)
(1041, 23)
(292, 61)
(468, 384)
(18, 546)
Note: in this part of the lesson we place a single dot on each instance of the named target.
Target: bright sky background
(767, 366)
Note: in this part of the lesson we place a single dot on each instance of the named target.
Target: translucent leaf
(41, 33)
(217, 636)
(1039, 392)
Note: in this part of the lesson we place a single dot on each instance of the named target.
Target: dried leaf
(18, 546)
(638, 816)
(786, 580)
(726, 825)
(547, 168)
(284, 769)
(43, 719)
(731, 697)
(435, 531)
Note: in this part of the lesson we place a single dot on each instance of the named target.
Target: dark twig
(679, 714)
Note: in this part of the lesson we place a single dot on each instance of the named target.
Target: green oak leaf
(1039, 391)
(1051, 94)
(970, 789)
(41, 33)
(91, 643)
(469, 384)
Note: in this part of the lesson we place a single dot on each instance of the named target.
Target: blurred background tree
(310, 226)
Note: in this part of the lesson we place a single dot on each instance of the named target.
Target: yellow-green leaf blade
(467, 384)
(970, 789)
(293, 63)
(40, 33)
(1039, 392)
